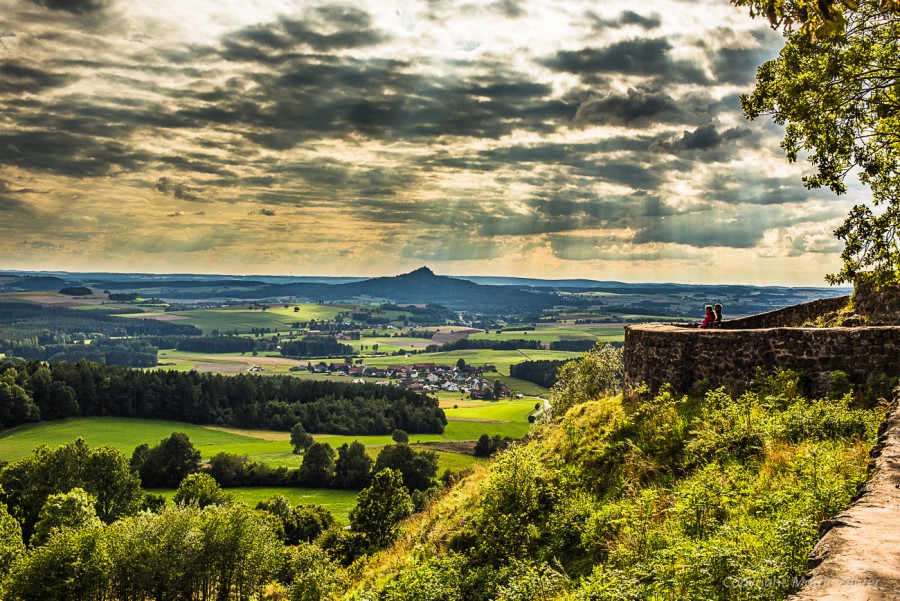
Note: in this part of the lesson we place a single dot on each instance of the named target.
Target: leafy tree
(300, 440)
(11, 545)
(418, 468)
(353, 468)
(380, 508)
(316, 576)
(200, 489)
(102, 472)
(399, 436)
(300, 523)
(74, 509)
(834, 86)
(240, 551)
(597, 373)
(116, 488)
(317, 468)
(71, 565)
(16, 405)
(168, 463)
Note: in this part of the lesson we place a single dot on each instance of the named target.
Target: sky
(567, 139)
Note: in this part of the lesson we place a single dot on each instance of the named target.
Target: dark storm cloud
(634, 108)
(753, 188)
(643, 57)
(625, 19)
(267, 43)
(632, 18)
(10, 198)
(311, 97)
(67, 154)
(739, 65)
(73, 6)
(178, 190)
(18, 78)
(509, 8)
(706, 137)
(703, 230)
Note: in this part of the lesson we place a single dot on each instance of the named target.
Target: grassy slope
(672, 499)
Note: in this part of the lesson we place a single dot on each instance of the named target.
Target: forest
(33, 391)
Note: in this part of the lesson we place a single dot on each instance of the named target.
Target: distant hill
(421, 286)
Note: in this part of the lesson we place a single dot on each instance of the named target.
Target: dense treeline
(32, 391)
(574, 346)
(76, 291)
(29, 324)
(315, 346)
(497, 345)
(125, 353)
(216, 344)
(542, 373)
(430, 314)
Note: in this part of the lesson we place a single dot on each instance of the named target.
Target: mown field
(241, 319)
(468, 421)
(338, 502)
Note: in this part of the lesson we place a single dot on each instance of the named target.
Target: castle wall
(877, 306)
(660, 353)
(729, 356)
(793, 316)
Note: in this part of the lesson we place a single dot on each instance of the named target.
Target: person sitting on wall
(717, 310)
(709, 319)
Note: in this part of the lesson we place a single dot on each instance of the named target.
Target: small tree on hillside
(300, 439)
(596, 374)
(400, 436)
(317, 468)
(74, 509)
(380, 508)
(200, 490)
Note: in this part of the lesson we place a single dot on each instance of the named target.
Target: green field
(339, 502)
(557, 332)
(242, 319)
(505, 418)
(501, 359)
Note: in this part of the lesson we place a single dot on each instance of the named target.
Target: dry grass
(260, 434)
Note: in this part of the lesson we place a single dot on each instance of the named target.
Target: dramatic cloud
(513, 137)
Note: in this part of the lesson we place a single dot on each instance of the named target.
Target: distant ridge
(421, 286)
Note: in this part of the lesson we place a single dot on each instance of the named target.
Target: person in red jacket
(709, 319)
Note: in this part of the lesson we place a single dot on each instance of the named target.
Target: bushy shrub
(596, 374)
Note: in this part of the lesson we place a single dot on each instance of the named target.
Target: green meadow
(243, 319)
(467, 423)
(338, 502)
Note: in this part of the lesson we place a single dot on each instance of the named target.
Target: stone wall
(660, 353)
(877, 306)
(793, 316)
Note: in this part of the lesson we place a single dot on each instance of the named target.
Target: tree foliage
(417, 468)
(835, 88)
(596, 374)
(73, 509)
(353, 468)
(380, 507)
(168, 463)
(300, 439)
(200, 489)
(103, 472)
(32, 391)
